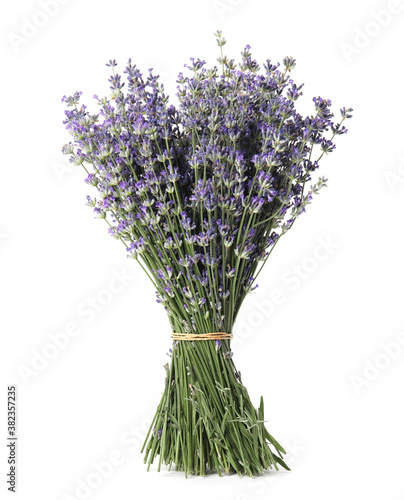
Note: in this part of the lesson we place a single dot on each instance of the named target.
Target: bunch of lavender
(200, 195)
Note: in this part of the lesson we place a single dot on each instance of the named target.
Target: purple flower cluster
(201, 193)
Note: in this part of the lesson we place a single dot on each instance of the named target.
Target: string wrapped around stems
(201, 336)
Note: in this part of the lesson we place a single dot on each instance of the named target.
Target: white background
(334, 397)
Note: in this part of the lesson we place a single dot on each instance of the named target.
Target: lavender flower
(225, 158)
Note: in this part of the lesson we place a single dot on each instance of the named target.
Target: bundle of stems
(200, 195)
(206, 420)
